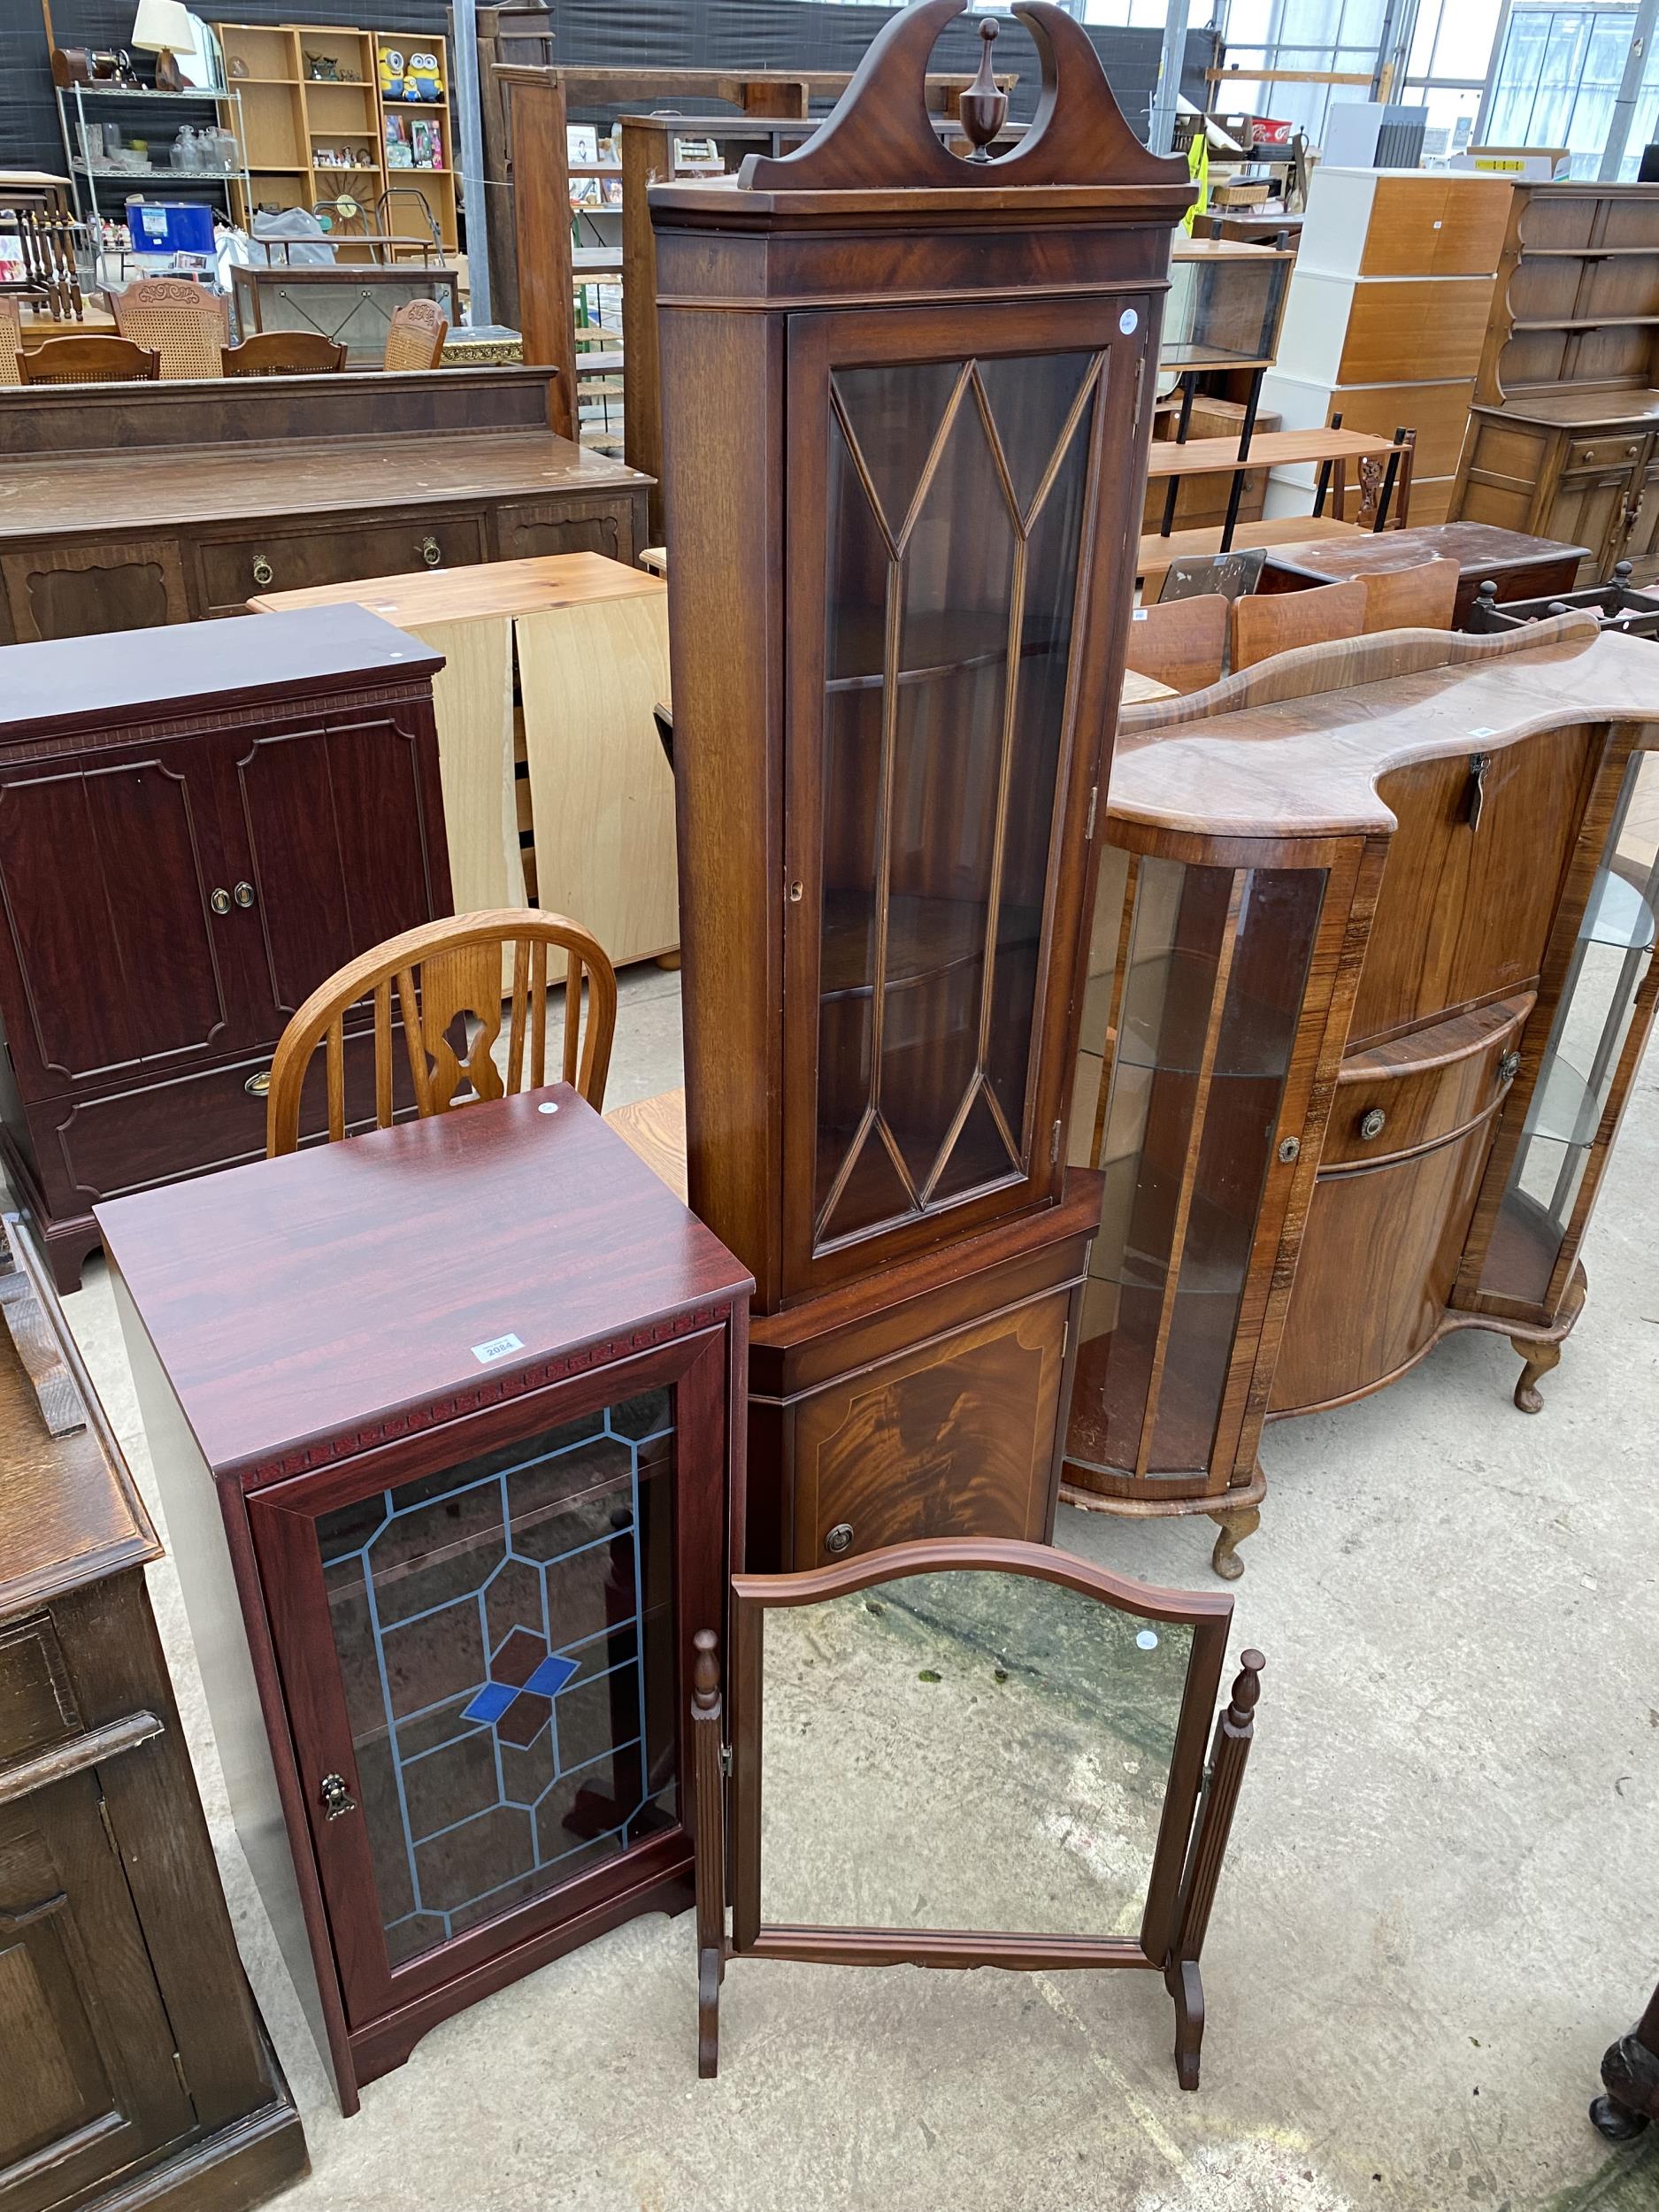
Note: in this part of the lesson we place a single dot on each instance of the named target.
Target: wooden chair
(1261, 626)
(11, 339)
(183, 322)
(283, 353)
(1421, 597)
(415, 336)
(448, 976)
(91, 360)
(1179, 642)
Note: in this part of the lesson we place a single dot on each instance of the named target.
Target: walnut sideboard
(125, 506)
(196, 827)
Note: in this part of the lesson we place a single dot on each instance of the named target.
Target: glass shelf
(1166, 1013)
(1564, 1110)
(933, 646)
(926, 938)
(1617, 915)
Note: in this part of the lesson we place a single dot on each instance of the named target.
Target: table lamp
(165, 28)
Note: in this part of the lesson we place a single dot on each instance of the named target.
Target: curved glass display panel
(1011, 1741)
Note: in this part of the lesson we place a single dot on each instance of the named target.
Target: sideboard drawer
(234, 569)
(1415, 1089)
(1610, 450)
(99, 1146)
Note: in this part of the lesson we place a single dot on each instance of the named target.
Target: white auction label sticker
(497, 1347)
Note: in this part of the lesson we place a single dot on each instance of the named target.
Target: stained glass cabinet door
(479, 1640)
(931, 913)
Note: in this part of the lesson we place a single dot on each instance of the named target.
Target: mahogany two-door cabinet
(1372, 977)
(938, 379)
(197, 827)
(441, 1416)
(124, 506)
(137, 2071)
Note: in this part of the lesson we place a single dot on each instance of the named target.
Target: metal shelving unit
(83, 172)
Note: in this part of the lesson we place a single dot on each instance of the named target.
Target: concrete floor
(1438, 1905)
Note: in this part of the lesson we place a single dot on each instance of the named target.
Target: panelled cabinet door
(484, 1647)
(1590, 511)
(118, 954)
(944, 725)
(338, 835)
(87, 2082)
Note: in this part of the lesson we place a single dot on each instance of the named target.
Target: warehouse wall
(619, 33)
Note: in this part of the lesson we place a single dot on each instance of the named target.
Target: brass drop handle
(1371, 1123)
(218, 899)
(431, 552)
(262, 571)
(1509, 1067)
(259, 1083)
(337, 1799)
(839, 1539)
(244, 896)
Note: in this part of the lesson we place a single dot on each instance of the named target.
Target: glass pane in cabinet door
(1206, 1012)
(505, 1642)
(956, 492)
(1609, 961)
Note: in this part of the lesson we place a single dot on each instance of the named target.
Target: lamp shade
(163, 27)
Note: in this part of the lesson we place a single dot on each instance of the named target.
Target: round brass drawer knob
(1371, 1123)
(839, 1539)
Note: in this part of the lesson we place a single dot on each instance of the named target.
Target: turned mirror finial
(983, 107)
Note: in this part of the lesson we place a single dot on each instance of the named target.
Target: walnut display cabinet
(901, 554)
(441, 1419)
(1372, 975)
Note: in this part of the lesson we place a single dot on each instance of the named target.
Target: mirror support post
(709, 1767)
(1236, 1729)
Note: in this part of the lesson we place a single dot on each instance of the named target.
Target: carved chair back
(1421, 597)
(283, 353)
(448, 979)
(1261, 626)
(183, 322)
(414, 339)
(1179, 642)
(91, 360)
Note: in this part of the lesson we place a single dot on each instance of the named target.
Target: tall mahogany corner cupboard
(439, 1416)
(902, 552)
(198, 826)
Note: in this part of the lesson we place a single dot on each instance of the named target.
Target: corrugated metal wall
(619, 33)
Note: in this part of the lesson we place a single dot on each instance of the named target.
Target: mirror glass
(965, 1749)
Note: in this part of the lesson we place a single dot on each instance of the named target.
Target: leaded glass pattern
(504, 1636)
(957, 499)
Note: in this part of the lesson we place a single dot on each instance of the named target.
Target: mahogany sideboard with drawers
(125, 506)
(198, 826)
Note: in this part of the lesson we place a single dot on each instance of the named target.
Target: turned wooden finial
(983, 107)
(705, 1672)
(1247, 1690)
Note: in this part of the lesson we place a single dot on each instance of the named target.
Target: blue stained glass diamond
(491, 1701)
(551, 1675)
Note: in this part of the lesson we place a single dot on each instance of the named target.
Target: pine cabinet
(196, 827)
(940, 377)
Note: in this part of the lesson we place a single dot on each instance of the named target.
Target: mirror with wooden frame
(1022, 1736)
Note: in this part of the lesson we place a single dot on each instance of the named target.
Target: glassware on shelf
(1545, 1203)
(1197, 1001)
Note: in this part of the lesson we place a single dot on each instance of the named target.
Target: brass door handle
(839, 1539)
(1509, 1067)
(337, 1799)
(218, 899)
(262, 571)
(258, 1084)
(243, 894)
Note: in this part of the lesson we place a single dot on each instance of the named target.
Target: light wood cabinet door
(1590, 511)
(87, 2082)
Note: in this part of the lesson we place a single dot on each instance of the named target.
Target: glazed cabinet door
(113, 952)
(966, 491)
(335, 827)
(87, 2082)
(485, 1647)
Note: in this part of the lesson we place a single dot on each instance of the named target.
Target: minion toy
(392, 74)
(424, 80)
